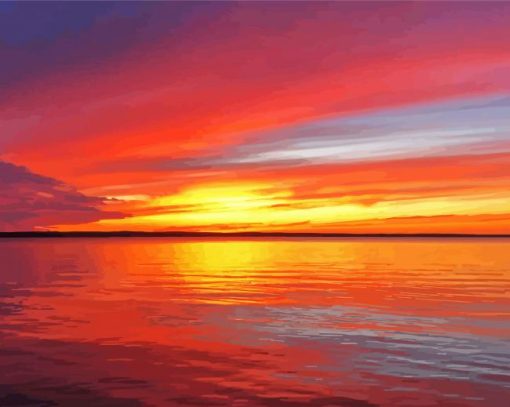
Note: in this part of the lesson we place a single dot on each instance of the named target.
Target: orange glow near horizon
(330, 118)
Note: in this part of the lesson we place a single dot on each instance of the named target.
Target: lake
(254, 322)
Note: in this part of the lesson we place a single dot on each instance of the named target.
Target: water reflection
(254, 322)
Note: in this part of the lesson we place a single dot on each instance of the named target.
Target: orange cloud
(173, 121)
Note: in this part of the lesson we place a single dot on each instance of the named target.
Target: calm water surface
(163, 322)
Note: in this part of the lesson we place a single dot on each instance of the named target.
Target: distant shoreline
(52, 234)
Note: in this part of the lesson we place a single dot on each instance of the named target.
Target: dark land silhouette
(78, 234)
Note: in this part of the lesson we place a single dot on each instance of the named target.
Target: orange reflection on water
(169, 321)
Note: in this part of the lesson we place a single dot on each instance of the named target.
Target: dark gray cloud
(29, 200)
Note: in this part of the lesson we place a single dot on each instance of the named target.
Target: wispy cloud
(457, 127)
(339, 111)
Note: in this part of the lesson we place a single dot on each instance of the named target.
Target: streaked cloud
(439, 129)
(456, 127)
(231, 115)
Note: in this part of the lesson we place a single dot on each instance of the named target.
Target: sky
(383, 117)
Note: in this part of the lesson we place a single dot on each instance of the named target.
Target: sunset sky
(308, 116)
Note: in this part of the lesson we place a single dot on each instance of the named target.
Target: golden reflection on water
(211, 270)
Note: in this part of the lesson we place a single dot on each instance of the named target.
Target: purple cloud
(30, 200)
(455, 127)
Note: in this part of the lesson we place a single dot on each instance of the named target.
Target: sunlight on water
(255, 322)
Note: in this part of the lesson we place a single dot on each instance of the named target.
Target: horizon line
(178, 233)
